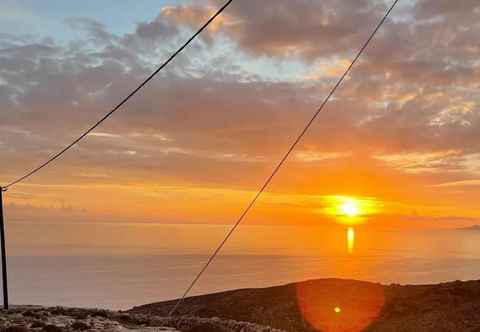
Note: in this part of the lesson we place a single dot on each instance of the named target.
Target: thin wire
(282, 161)
(106, 116)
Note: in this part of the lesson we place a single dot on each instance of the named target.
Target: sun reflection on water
(350, 239)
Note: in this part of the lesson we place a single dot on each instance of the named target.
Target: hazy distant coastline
(475, 228)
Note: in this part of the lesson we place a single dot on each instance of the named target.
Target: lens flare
(336, 305)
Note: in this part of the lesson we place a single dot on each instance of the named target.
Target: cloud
(443, 8)
(215, 117)
(424, 162)
(279, 28)
(464, 183)
(315, 156)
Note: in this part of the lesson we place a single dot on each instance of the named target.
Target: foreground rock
(341, 306)
(59, 319)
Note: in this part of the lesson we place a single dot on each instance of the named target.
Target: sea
(121, 265)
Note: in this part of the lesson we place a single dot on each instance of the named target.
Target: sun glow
(351, 210)
(350, 207)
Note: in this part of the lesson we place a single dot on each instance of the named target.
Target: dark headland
(329, 305)
(363, 306)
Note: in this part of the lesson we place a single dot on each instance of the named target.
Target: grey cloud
(58, 91)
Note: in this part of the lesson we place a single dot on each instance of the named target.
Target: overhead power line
(119, 105)
(282, 161)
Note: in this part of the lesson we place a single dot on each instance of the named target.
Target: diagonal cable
(282, 161)
(119, 105)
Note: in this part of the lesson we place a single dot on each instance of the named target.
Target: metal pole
(4, 253)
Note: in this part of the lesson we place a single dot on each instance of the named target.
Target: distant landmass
(470, 228)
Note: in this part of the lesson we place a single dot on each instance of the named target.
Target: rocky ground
(59, 319)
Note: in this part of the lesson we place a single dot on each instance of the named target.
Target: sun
(350, 210)
(350, 207)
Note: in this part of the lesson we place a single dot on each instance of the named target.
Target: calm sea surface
(122, 265)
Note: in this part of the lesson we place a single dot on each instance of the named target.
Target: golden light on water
(350, 240)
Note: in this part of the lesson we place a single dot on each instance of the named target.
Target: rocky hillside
(59, 319)
(341, 305)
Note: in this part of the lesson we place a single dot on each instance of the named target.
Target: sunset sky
(401, 137)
